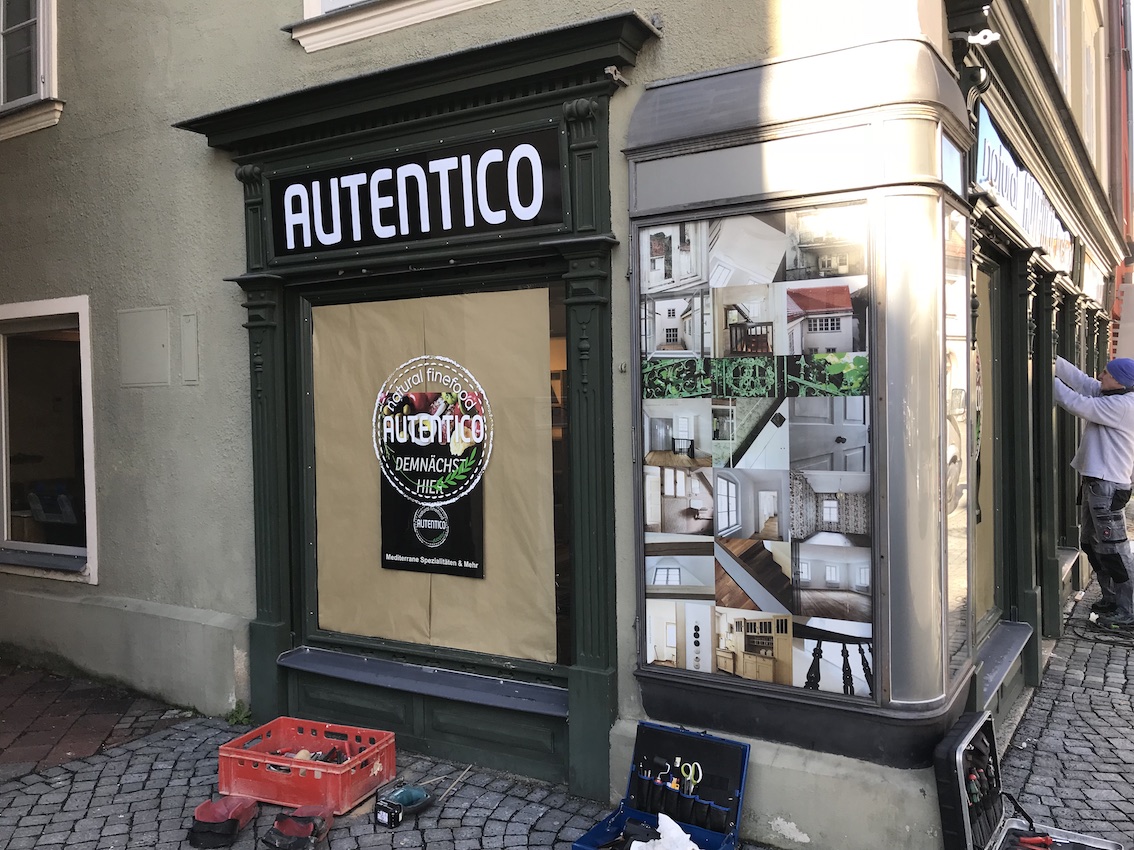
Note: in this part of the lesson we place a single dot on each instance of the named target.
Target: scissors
(692, 774)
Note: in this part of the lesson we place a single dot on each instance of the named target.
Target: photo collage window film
(757, 496)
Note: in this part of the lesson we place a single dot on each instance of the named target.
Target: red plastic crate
(250, 766)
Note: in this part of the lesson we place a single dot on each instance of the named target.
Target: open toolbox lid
(967, 768)
(693, 777)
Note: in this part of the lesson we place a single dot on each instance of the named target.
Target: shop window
(962, 434)
(787, 472)
(442, 494)
(49, 516)
(328, 23)
(27, 67)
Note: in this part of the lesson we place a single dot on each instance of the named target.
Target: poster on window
(757, 489)
(433, 440)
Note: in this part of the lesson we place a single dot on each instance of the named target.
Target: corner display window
(757, 491)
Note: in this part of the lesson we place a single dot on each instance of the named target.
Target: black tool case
(706, 804)
(973, 803)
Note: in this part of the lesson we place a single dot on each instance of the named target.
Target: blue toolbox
(973, 817)
(694, 778)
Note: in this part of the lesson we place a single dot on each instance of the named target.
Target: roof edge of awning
(777, 92)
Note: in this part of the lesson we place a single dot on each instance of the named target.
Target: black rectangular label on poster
(448, 539)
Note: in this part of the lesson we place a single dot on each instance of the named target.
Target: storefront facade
(429, 302)
(817, 332)
(689, 367)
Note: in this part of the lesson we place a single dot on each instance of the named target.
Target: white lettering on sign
(329, 211)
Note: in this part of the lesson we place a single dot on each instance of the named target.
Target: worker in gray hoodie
(1105, 460)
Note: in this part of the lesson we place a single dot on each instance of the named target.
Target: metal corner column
(1022, 593)
(1048, 302)
(592, 682)
(270, 633)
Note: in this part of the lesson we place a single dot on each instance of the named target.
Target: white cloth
(673, 837)
(1106, 450)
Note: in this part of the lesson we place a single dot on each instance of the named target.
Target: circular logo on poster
(431, 525)
(432, 430)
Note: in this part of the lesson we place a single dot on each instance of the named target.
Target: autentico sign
(1019, 193)
(498, 184)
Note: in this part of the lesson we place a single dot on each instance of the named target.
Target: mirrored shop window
(962, 403)
(757, 517)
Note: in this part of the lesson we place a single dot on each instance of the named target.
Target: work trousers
(1102, 536)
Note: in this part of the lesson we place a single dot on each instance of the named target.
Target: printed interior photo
(751, 433)
(831, 526)
(749, 520)
(833, 655)
(754, 645)
(673, 257)
(749, 310)
(676, 326)
(680, 633)
(830, 433)
(677, 466)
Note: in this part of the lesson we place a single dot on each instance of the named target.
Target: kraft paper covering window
(502, 339)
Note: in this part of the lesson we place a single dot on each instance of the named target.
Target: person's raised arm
(1075, 378)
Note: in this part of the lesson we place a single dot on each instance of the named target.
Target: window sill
(10, 556)
(372, 18)
(37, 116)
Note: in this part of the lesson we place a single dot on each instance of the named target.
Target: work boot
(1117, 621)
(1104, 606)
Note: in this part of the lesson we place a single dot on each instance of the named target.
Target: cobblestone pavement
(48, 719)
(1071, 759)
(142, 794)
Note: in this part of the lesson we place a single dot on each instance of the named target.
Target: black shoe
(1104, 607)
(1116, 622)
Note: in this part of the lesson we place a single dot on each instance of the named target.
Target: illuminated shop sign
(1019, 194)
(499, 184)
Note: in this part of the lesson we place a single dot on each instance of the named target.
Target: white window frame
(12, 551)
(830, 510)
(344, 22)
(42, 108)
(825, 324)
(1061, 42)
(728, 505)
(1090, 87)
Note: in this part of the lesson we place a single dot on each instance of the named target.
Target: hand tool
(692, 774)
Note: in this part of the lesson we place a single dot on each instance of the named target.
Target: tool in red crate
(1029, 839)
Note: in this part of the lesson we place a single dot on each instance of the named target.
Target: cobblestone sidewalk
(1071, 760)
(143, 794)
